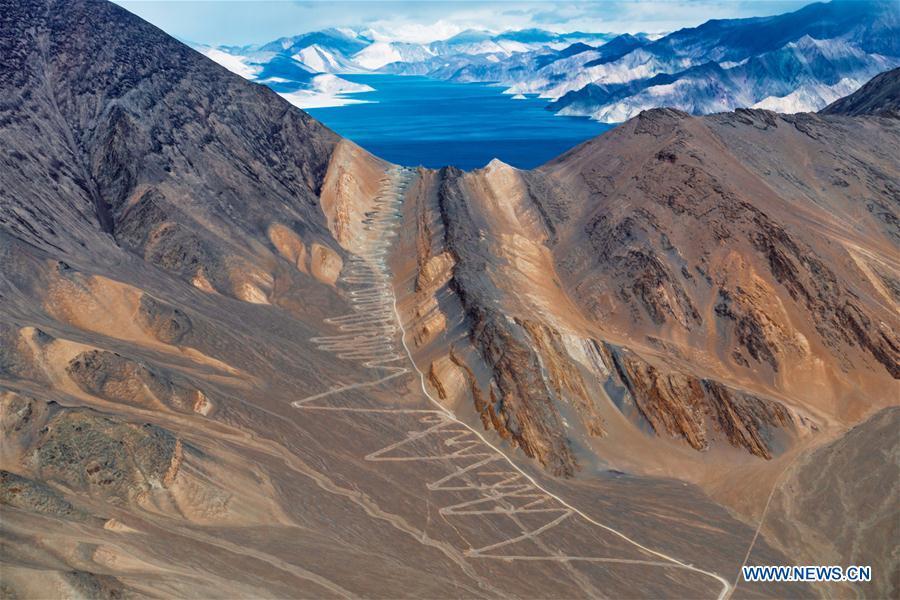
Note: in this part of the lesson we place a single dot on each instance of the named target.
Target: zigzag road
(370, 335)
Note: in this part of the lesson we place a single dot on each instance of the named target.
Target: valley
(241, 355)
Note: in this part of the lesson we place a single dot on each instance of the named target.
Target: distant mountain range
(305, 68)
(795, 62)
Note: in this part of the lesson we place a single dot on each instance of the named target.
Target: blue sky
(256, 21)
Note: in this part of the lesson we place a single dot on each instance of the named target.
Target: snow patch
(317, 59)
(810, 98)
(327, 91)
(233, 62)
(377, 55)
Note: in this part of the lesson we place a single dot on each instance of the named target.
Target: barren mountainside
(690, 267)
(880, 96)
(242, 356)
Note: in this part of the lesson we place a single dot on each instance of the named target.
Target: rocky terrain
(688, 268)
(240, 356)
(724, 286)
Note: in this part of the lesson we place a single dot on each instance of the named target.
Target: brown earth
(654, 328)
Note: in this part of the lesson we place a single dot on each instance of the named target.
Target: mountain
(335, 52)
(795, 62)
(473, 42)
(305, 77)
(675, 264)
(344, 42)
(800, 77)
(379, 54)
(240, 356)
(617, 48)
(682, 291)
(868, 24)
(877, 97)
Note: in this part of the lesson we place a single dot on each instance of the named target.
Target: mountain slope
(177, 247)
(880, 96)
(727, 283)
(146, 147)
(241, 356)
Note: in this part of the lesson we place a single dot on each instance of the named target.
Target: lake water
(420, 121)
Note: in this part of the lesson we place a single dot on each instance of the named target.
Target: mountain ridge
(795, 62)
(879, 96)
(194, 282)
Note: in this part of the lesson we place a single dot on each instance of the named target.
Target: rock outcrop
(697, 410)
(118, 379)
(100, 455)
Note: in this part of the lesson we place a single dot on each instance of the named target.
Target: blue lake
(420, 121)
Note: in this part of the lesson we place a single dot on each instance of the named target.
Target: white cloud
(240, 22)
(414, 33)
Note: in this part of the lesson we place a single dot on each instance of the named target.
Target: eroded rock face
(698, 410)
(756, 334)
(627, 250)
(530, 371)
(26, 493)
(523, 399)
(672, 238)
(116, 460)
(836, 312)
(166, 323)
(562, 373)
(118, 379)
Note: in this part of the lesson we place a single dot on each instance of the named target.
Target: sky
(240, 22)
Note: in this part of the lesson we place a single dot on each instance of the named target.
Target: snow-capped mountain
(337, 42)
(323, 60)
(798, 61)
(294, 66)
(302, 68)
(801, 76)
(379, 54)
(303, 77)
(795, 62)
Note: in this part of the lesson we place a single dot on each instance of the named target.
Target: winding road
(373, 335)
